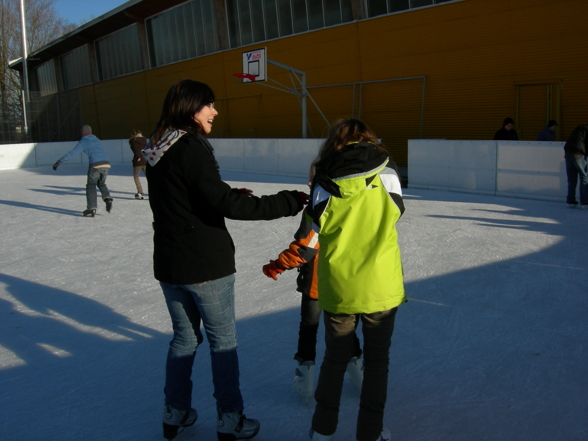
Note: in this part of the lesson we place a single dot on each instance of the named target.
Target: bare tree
(43, 25)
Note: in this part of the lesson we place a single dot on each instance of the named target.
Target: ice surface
(491, 345)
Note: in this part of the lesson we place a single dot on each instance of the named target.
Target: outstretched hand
(272, 270)
(303, 197)
(245, 191)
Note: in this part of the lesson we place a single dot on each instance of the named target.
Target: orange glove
(272, 270)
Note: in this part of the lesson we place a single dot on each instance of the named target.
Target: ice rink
(492, 344)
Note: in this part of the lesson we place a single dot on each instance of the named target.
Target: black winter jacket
(576, 143)
(190, 202)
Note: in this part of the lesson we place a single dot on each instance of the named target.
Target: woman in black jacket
(194, 255)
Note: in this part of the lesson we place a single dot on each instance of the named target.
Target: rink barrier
(526, 169)
(289, 157)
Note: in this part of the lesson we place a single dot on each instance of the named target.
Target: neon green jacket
(356, 202)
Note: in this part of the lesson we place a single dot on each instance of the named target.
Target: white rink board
(507, 168)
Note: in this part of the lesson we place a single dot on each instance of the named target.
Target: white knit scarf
(153, 153)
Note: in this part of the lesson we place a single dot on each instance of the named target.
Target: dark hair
(346, 131)
(552, 123)
(184, 100)
(507, 121)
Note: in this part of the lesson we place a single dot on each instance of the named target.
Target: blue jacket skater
(91, 146)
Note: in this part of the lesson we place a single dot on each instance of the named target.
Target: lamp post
(25, 70)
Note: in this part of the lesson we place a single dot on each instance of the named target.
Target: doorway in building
(536, 105)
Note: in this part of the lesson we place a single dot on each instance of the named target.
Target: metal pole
(304, 93)
(25, 70)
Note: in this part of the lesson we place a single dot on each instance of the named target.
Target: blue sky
(75, 11)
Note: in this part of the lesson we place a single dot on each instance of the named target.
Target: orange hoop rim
(247, 76)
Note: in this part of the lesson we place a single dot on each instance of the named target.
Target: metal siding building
(453, 70)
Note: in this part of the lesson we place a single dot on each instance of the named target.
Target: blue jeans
(211, 303)
(574, 168)
(96, 178)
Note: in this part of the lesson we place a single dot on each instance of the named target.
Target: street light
(25, 70)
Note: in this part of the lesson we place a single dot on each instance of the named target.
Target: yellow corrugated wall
(475, 55)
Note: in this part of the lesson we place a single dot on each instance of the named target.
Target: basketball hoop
(245, 76)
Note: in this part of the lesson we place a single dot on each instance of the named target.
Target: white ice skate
(304, 382)
(355, 369)
(314, 436)
(385, 435)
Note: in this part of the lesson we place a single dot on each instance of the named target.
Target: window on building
(76, 69)
(119, 53)
(45, 78)
(252, 21)
(381, 7)
(184, 32)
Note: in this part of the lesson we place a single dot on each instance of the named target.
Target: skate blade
(233, 437)
(307, 396)
(173, 432)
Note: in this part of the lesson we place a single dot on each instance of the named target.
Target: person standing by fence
(575, 157)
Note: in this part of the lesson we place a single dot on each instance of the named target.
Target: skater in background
(302, 254)
(575, 157)
(194, 256)
(138, 143)
(506, 133)
(548, 132)
(356, 200)
(97, 170)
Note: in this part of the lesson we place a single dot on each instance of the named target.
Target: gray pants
(377, 331)
(136, 172)
(96, 178)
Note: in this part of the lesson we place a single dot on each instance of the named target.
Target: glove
(244, 191)
(56, 165)
(303, 197)
(272, 270)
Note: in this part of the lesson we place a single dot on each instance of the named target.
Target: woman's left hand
(244, 191)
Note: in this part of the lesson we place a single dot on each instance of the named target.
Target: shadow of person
(40, 207)
(62, 355)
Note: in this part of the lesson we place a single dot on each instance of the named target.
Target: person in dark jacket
(507, 133)
(548, 132)
(194, 255)
(575, 156)
(138, 143)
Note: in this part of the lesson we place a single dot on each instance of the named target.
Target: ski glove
(272, 270)
(56, 164)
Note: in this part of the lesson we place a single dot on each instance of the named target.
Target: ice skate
(139, 196)
(232, 426)
(108, 202)
(355, 369)
(385, 435)
(175, 420)
(304, 381)
(315, 436)
(89, 213)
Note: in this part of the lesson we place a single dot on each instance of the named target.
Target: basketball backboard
(254, 64)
